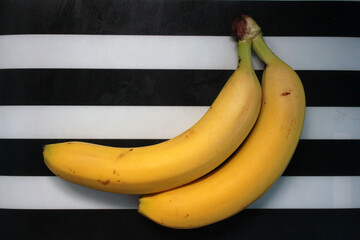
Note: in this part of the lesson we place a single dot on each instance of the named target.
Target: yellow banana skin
(172, 163)
(253, 168)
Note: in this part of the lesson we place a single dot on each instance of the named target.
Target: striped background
(134, 73)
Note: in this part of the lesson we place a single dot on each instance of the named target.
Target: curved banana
(254, 167)
(172, 163)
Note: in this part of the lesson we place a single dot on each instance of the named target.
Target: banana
(255, 166)
(172, 163)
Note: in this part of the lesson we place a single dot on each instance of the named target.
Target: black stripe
(23, 157)
(109, 87)
(325, 158)
(154, 87)
(128, 224)
(168, 17)
(312, 158)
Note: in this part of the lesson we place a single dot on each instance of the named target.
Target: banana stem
(244, 29)
(244, 53)
(263, 50)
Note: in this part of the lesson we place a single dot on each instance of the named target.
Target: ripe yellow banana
(254, 167)
(175, 162)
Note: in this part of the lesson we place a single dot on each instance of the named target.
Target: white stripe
(342, 192)
(140, 122)
(170, 52)
(312, 192)
(288, 192)
(331, 123)
(53, 192)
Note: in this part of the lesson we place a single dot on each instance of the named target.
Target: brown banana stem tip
(245, 28)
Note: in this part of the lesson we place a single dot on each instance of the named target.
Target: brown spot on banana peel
(106, 182)
(124, 153)
(288, 133)
(188, 133)
(121, 155)
(292, 123)
(285, 93)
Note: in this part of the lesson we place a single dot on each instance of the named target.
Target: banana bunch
(191, 185)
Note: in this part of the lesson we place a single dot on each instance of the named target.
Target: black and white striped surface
(134, 73)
